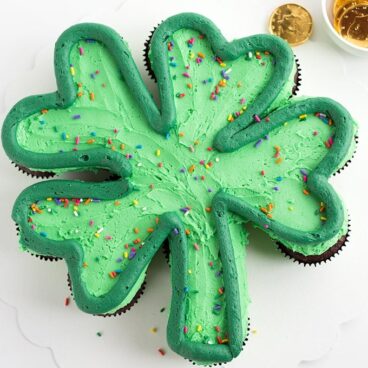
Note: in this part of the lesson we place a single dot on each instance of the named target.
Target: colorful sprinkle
(256, 118)
(278, 160)
(225, 74)
(329, 142)
(162, 351)
(185, 210)
(170, 45)
(132, 253)
(190, 42)
(113, 274)
(176, 231)
(258, 143)
(324, 118)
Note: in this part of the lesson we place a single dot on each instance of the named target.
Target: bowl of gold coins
(347, 24)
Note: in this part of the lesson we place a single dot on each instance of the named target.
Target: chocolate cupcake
(129, 304)
(147, 63)
(227, 146)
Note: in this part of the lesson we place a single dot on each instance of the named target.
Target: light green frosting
(112, 118)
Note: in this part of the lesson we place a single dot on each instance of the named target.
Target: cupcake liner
(122, 310)
(33, 173)
(45, 258)
(113, 177)
(94, 176)
(146, 59)
(39, 256)
(297, 78)
(49, 174)
(316, 259)
(223, 363)
(347, 163)
(166, 251)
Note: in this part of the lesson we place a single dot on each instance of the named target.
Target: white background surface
(304, 317)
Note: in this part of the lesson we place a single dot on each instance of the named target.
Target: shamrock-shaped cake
(226, 145)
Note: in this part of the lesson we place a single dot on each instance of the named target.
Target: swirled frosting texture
(180, 172)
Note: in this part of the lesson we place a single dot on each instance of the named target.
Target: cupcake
(227, 146)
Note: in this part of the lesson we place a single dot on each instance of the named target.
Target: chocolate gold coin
(353, 25)
(291, 22)
(338, 4)
(344, 6)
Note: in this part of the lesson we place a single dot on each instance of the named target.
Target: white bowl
(327, 12)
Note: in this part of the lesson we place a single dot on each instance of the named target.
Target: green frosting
(79, 126)
(221, 153)
(103, 104)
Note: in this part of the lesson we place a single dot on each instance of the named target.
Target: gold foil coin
(344, 6)
(353, 25)
(291, 22)
(338, 4)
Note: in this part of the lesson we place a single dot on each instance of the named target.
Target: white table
(304, 317)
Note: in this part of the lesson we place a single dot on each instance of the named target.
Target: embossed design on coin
(353, 25)
(291, 22)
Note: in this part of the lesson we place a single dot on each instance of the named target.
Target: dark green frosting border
(229, 139)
